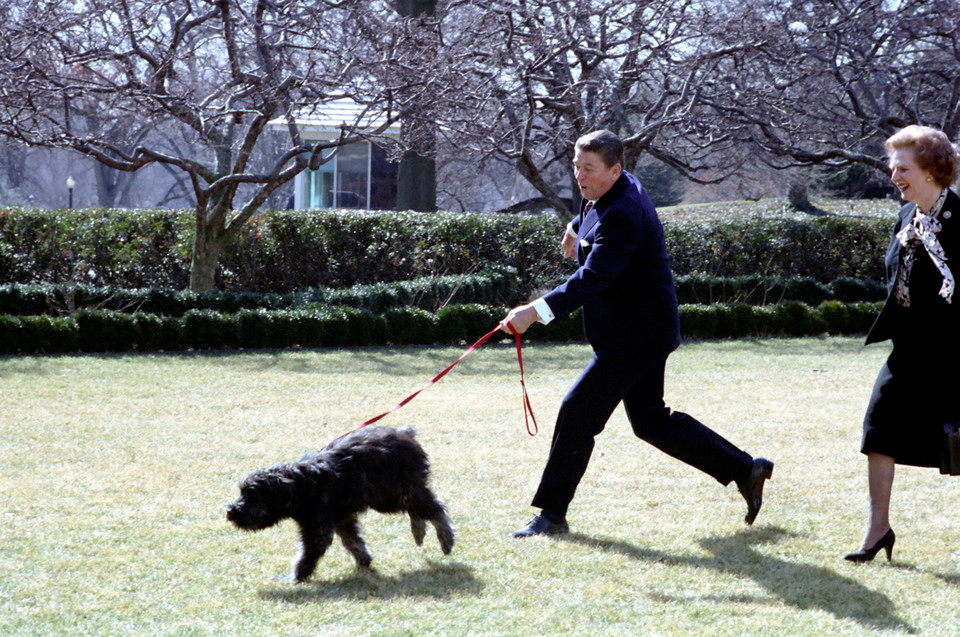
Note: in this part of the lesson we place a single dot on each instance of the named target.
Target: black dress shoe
(752, 489)
(540, 525)
(867, 555)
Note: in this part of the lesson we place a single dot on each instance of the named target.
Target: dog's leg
(419, 529)
(314, 542)
(445, 531)
(425, 506)
(349, 532)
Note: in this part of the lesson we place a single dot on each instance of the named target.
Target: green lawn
(115, 472)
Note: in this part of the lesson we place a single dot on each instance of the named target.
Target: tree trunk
(206, 255)
(417, 183)
(799, 197)
(417, 172)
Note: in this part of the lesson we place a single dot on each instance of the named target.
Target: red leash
(527, 408)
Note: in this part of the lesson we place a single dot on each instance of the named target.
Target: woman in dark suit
(918, 388)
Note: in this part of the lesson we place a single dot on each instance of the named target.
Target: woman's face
(915, 184)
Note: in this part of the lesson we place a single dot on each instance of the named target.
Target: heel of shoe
(866, 555)
(888, 547)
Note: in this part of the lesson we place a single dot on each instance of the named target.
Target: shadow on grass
(438, 581)
(413, 361)
(948, 578)
(802, 586)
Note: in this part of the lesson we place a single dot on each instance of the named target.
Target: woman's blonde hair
(932, 149)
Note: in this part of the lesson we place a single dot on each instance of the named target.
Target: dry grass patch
(116, 471)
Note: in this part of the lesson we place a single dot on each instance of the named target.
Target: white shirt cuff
(570, 230)
(543, 311)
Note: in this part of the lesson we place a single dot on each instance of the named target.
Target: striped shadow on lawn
(116, 470)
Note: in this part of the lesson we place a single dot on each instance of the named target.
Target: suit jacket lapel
(589, 221)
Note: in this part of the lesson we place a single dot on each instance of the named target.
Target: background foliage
(283, 251)
(106, 280)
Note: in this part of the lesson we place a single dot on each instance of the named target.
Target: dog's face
(266, 497)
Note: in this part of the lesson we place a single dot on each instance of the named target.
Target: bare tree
(212, 75)
(532, 76)
(829, 80)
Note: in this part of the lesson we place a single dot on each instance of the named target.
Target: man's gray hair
(605, 144)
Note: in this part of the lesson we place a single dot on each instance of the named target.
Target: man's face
(593, 176)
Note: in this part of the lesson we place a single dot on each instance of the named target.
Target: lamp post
(70, 184)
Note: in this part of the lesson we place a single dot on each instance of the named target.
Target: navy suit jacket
(624, 283)
(930, 318)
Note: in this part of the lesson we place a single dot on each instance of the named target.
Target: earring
(929, 179)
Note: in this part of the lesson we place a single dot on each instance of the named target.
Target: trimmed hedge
(282, 251)
(278, 251)
(766, 290)
(112, 331)
(823, 248)
(790, 318)
(494, 286)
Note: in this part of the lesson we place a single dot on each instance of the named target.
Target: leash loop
(527, 407)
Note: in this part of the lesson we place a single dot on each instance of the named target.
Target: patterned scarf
(922, 230)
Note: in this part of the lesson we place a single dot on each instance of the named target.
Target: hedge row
(283, 251)
(494, 286)
(824, 248)
(276, 252)
(107, 330)
(766, 290)
(790, 318)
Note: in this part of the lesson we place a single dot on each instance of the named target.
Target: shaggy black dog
(379, 468)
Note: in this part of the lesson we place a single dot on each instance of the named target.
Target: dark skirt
(916, 392)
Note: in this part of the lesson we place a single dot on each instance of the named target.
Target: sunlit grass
(116, 470)
(777, 208)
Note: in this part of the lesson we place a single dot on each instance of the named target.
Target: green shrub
(122, 248)
(790, 318)
(467, 323)
(850, 290)
(862, 316)
(823, 248)
(698, 321)
(493, 285)
(283, 251)
(106, 331)
(47, 335)
(10, 327)
(836, 316)
(206, 329)
(410, 326)
(257, 329)
(22, 300)
(157, 332)
(763, 290)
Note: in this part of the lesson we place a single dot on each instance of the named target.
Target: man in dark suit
(625, 288)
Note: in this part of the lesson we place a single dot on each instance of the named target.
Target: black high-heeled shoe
(867, 555)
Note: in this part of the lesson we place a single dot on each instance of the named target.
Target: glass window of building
(358, 176)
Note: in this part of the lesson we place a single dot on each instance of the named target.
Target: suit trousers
(637, 381)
